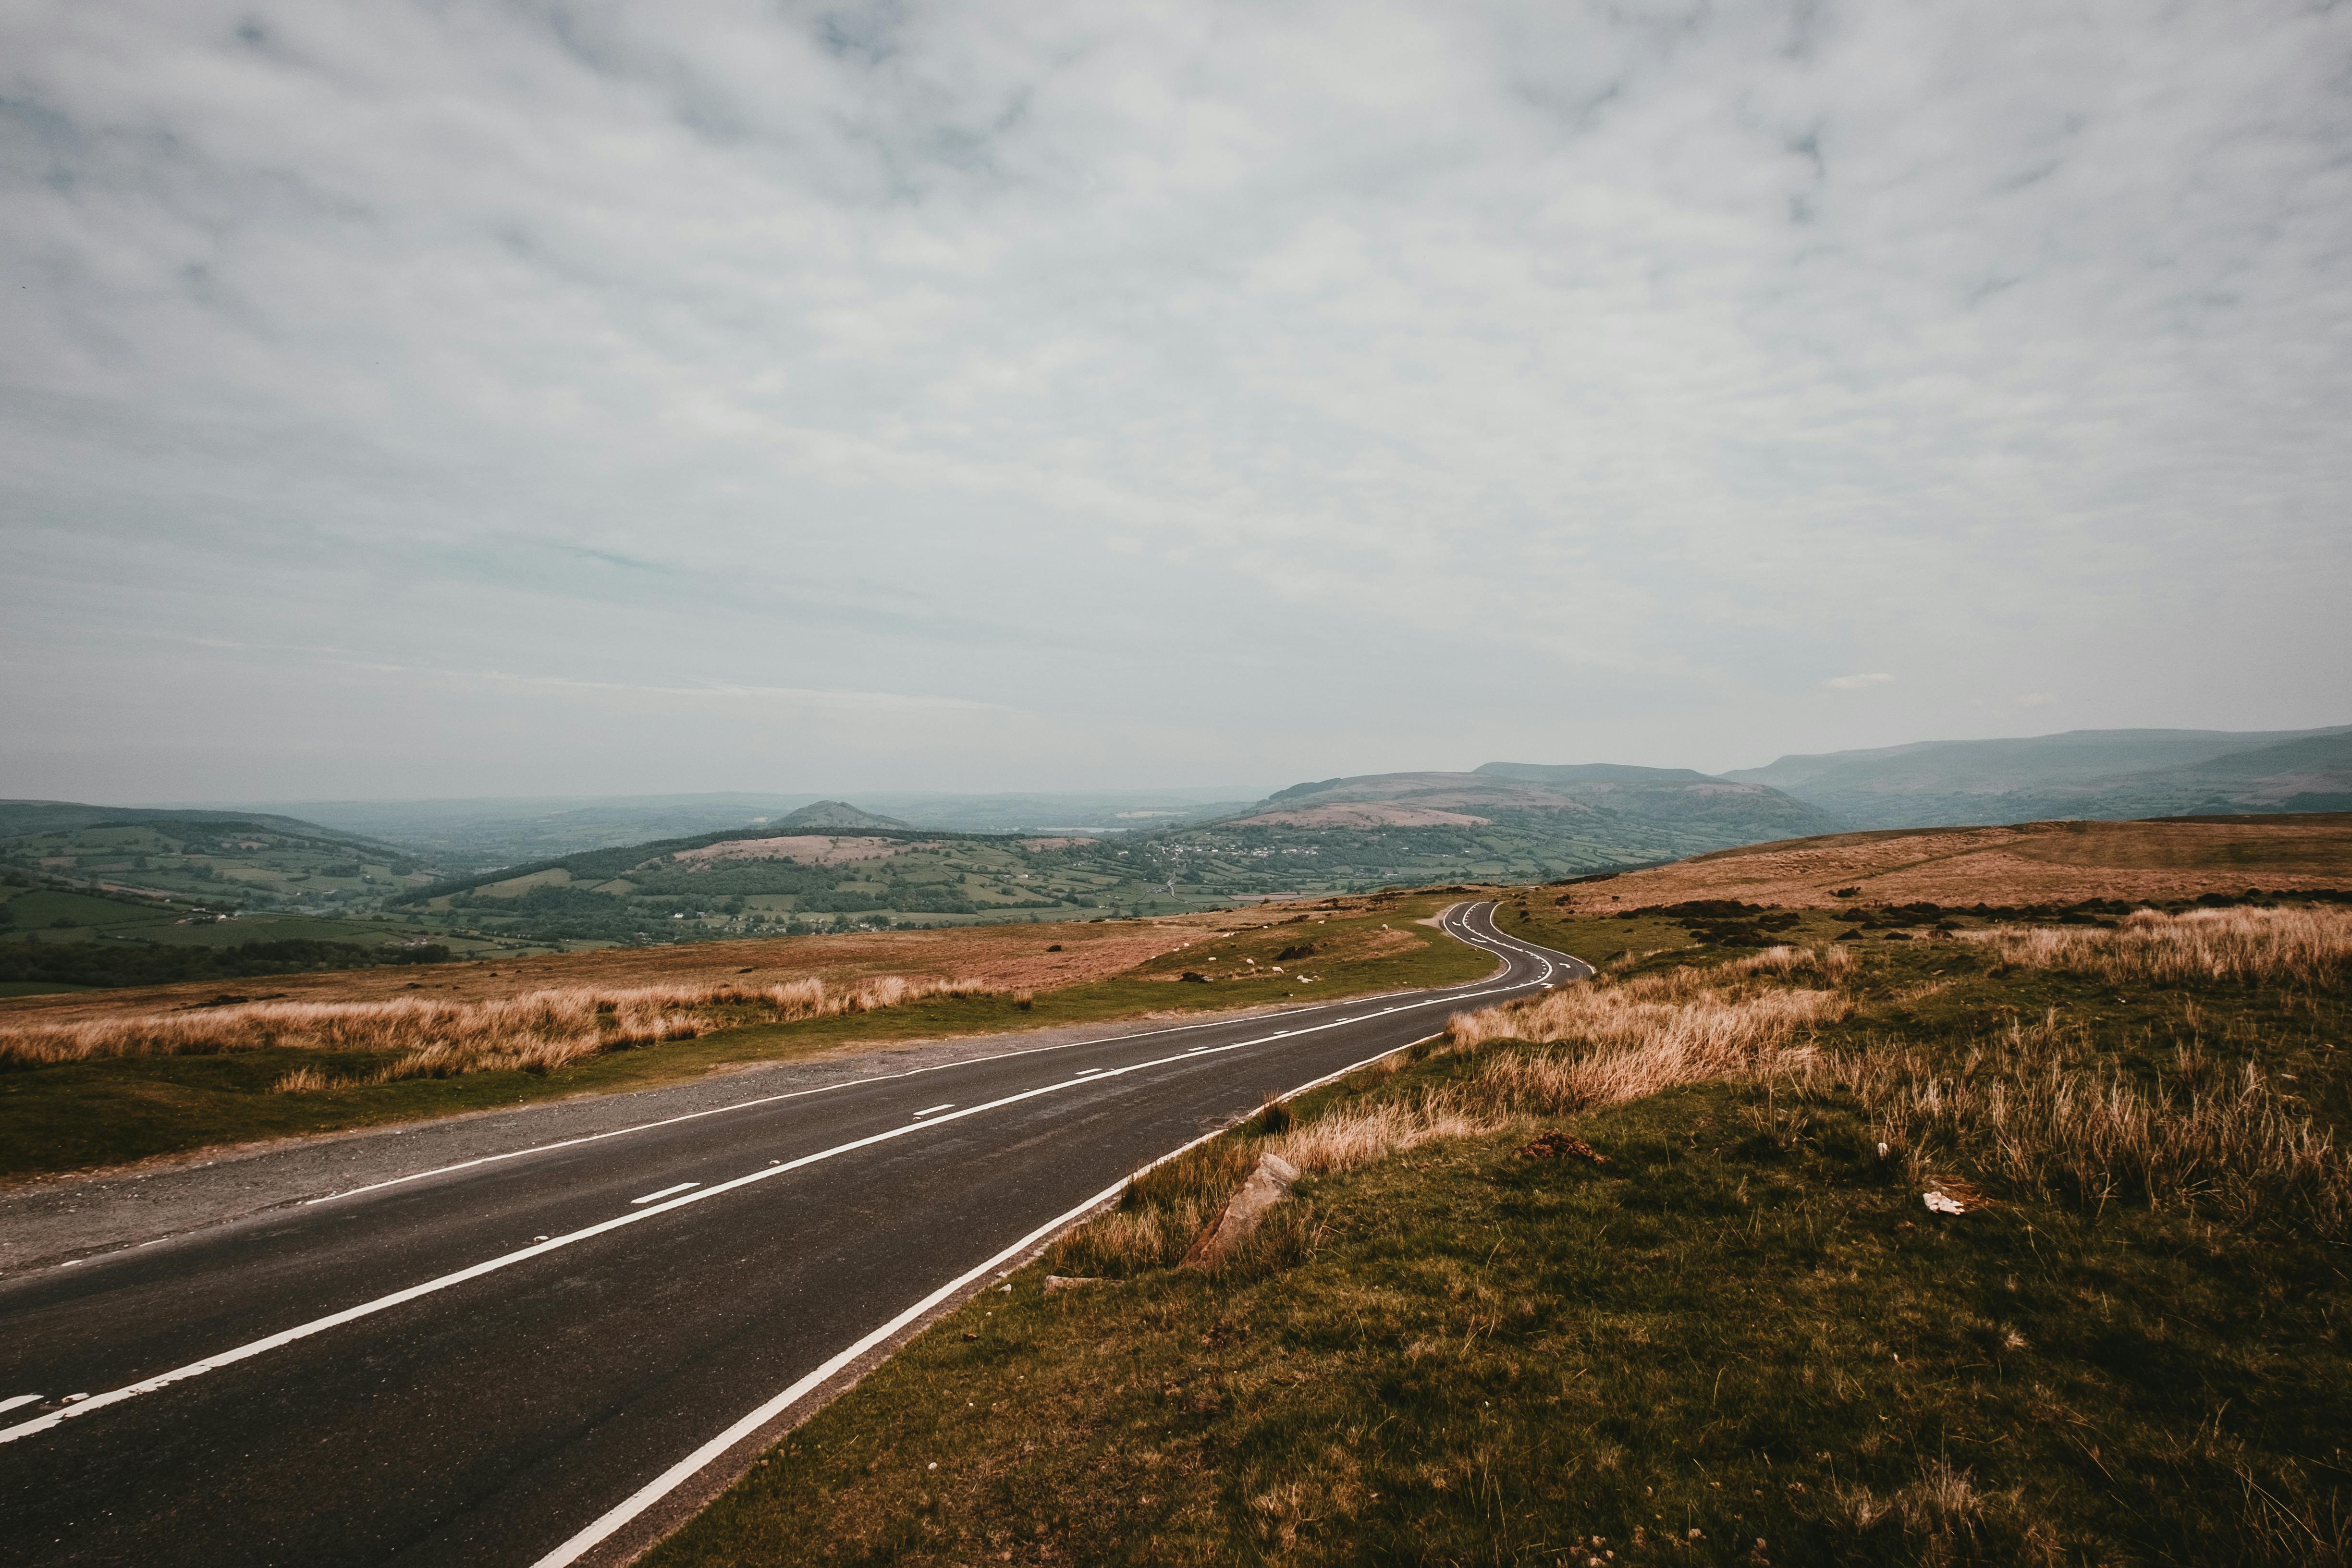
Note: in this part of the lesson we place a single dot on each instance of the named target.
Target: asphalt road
(529, 1358)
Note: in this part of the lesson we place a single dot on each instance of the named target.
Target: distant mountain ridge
(830, 815)
(2089, 774)
(1530, 819)
(21, 817)
(1592, 773)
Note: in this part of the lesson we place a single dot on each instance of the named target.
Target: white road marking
(665, 1192)
(14, 1400)
(835, 1088)
(493, 1265)
(944, 1105)
(669, 1480)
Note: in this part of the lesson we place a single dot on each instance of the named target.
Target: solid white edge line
(878, 1078)
(678, 1474)
(666, 1193)
(493, 1265)
(488, 1266)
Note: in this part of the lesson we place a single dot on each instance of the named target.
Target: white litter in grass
(1943, 1203)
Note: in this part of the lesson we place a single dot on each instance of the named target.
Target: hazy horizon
(1190, 793)
(417, 402)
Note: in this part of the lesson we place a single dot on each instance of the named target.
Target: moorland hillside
(2110, 774)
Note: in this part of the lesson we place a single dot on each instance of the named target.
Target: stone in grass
(1267, 1185)
(1952, 1196)
(1069, 1281)
(1560, 1147)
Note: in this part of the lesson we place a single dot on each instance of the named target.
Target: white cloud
(1665, 356)
(1857, 682)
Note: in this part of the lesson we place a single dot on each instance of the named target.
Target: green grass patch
(1744, 1340)
(40, 988)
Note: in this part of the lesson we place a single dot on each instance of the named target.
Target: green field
(273, 863)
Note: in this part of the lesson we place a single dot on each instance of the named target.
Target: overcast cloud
(458, 399)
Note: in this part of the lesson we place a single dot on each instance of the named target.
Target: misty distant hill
(2108, 773)
(524, 830)
(829, 815)
(1503, 820)
(504, 831)
(21, 818)
(1080, 811)
(1592, 774)
(1647, 803)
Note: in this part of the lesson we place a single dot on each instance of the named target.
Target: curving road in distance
(550, 1355)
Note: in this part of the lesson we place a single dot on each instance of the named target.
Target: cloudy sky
(462, 399)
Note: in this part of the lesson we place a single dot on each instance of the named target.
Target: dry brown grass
(1007, 956)
(1944, 1507)
(431, 1038)
(2027, 1111)
(1655, 1032)
(2035, 862)
(2306, 946)
(1159, 1217)
(1169, 1207)
(1361, 1134)
(1739, 1020)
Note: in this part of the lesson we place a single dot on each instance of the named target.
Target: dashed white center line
(664, 1193)
(79, 1404)
(1084, 1071)
(14, 1400)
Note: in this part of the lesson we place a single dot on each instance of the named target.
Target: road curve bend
(546, 1356)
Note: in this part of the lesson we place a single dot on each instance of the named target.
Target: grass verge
(1744, 1339)
(78, 1114)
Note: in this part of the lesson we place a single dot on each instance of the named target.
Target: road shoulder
(56, 1219)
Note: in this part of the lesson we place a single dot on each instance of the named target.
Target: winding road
(551, 1354)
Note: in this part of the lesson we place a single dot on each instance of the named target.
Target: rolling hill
(2097, 774)
(96, 896)
(828, 866)
(484, 833)
(251, 860)
(1502, 821)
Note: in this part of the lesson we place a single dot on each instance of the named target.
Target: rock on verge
(1267, 1185)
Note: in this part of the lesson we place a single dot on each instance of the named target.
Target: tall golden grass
(538, 1031)
(2025, 1109)
(2312, 946)
(1160, 1215)
(1639, 1036)
(1358, 1135)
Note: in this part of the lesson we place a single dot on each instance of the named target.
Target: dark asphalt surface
(487, 1421)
